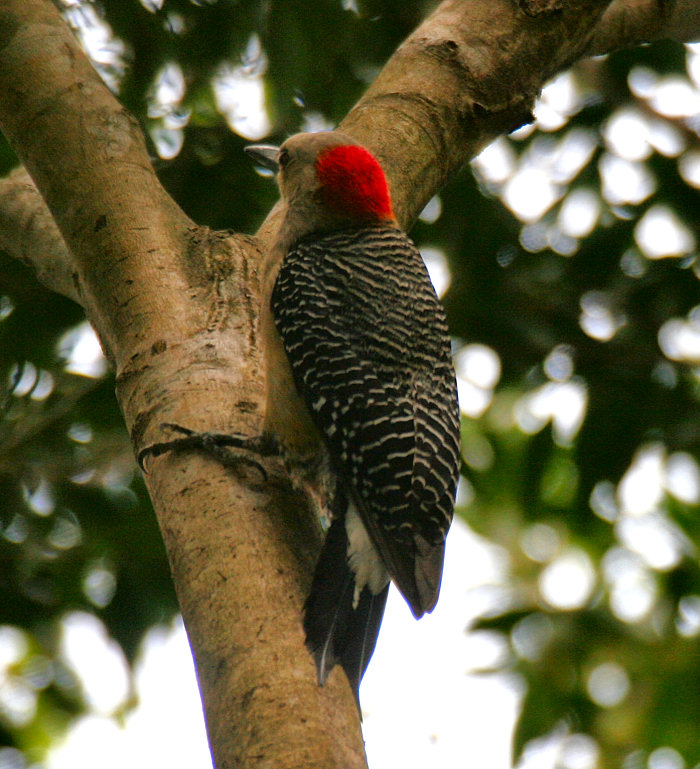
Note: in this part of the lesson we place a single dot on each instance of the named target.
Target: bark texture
(176, 309)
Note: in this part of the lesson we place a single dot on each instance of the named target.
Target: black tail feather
(362, 638)
(337, 633)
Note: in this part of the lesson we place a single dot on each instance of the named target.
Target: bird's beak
(264, 155)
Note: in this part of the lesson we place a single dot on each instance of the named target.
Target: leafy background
(575, 308)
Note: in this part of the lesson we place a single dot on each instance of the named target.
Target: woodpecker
(361, 391)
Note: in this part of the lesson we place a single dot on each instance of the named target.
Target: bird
(361, 393)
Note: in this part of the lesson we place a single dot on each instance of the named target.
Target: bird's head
(328, 180)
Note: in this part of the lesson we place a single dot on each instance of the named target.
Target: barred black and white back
(369, 348)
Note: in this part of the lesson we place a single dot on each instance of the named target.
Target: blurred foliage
(581, 461)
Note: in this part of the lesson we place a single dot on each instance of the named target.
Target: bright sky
(422, 705)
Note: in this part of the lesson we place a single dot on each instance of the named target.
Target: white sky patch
(88, 737)
(560, 242)
(603, 501)
(642, 81)
(562, 403)
(675, 97)
(665, 138)
(175, 23)
(479, 364)
(689, 168)
(660, 233)
(99, 585)
(240, 93)
(624, 181)
(165, 653)
(80, 432)
(655, 538)
(533, 237)
(240, 98)
(563, 93)
(626, 134)
(23, 379)
(531, 635)
(166, 95)
(6, 307)
(38, 384)
(641, 489)
(97, 660)
(478, 369)
(608, 684)
(572, 154)
(568, 581)
(497, 162)
(438, 268)
(166, 728)
(314, 122)
(540, 542)
(168, 141)
(478, 453)
(44, 386)
(632, 587)
(107, 52)
(66, 532)
(529, 186)
(643, 527)
(167, 91)
(683, 478)
(530, 193)
(522, 133)
(432, 211)
(559, 363)
(666, 758)
(17, 698)
(18, 701)
(81, 349)
(632, 263)
(548, 118)
(41, 500)
(692, 62)
(473, 401)
(688, 619)
(441, 714)
(13, 646)
(579, 751)
(679, 339)
(579, 212)
(599, 318)
(559, 99)
(547, 164)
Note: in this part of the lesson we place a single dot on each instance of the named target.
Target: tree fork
(175, 308)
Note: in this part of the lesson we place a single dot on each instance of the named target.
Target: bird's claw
(216, 445)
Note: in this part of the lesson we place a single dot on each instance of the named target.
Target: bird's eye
(283, 158)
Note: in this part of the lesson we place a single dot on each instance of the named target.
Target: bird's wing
(367, 341)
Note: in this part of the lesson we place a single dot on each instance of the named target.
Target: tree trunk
(176, 309)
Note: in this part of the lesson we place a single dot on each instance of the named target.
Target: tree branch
(633, 22)
(624, 23)
(28, 232)
(176, 307)
(469, 73)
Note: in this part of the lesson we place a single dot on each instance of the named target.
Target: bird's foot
(217, 445)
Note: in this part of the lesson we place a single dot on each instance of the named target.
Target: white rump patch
(363, 557)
